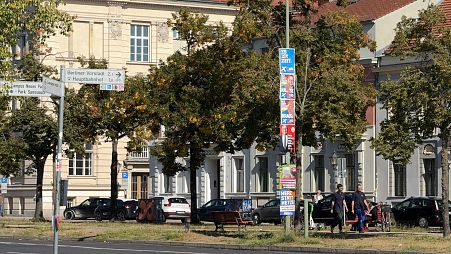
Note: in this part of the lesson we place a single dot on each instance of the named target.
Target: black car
(321, 210)
(419, 211)
(270, 212)
(214, 205)
(105, 211)
(84, 210)
(220, 205)
(131, 208)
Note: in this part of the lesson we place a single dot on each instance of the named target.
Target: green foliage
(334, 98)
(420, 101)
(116, 114)
(37, 19)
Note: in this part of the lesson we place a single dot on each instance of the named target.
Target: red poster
(287, 138)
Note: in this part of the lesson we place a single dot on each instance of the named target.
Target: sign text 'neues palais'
(94, 76)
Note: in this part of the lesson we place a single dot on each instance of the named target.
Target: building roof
(367, 10)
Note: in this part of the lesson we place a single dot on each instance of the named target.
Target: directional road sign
(54, 87)
(25, 88)
(286, 61)
(94, 76)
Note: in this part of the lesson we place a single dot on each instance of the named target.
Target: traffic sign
(287, 61)
(111, 87)
(125, 175)
(24, 88)
(4, 180)
(54, 87)
(94, 76)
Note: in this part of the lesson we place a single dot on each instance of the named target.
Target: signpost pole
(56, 217)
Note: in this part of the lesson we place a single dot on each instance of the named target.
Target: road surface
(17, 246)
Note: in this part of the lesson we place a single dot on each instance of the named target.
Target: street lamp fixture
(334, 160)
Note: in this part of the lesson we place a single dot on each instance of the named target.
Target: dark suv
(419, 211)
(105, 212)
(219, 205)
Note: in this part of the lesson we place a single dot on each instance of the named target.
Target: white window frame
(183, 182)
(86, 160)
(239, 170)
(138, 53)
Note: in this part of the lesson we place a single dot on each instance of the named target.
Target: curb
(233, 247)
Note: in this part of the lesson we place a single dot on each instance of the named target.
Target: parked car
(220, 205)
(84, 210)
(269, 212)
(175, 208)
(419, 211)
(214, 205)
(321, 210)
(131, 209)
(105, 212)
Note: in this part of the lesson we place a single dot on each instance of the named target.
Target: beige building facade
(131, 35)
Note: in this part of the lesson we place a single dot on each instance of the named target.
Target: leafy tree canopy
(419, 102)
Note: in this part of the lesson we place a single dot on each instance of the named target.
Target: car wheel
(423, 222)
(70, 215)
(256, 219)
(163, 218)
(120, 216)
(98, 216)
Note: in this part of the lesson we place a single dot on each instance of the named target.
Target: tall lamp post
(334, 162)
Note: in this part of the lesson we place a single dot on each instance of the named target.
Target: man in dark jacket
(338, 209)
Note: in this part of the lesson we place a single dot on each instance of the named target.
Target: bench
(229, 218)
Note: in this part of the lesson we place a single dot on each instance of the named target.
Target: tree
(331, 97)
(36, 19)
(114, 115)
(212, 96)
(419, 102)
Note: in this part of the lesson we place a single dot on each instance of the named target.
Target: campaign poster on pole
(287, 111)
(287, 138)
(287, 202)
(287, 176)
(287, 86)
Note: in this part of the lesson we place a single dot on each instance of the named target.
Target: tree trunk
(38, 213)
(194, 164)
(114, 186)
(445, 181)
(298, 216)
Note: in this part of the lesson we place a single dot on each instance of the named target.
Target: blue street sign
(286, 61)
(125, 175)
(4, 180)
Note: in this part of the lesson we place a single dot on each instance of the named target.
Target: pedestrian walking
(359, 205)
(338, 209)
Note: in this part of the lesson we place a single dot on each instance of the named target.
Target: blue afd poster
(286, 61)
